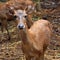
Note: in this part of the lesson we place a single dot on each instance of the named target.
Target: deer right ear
(15, 12)
(15, 16)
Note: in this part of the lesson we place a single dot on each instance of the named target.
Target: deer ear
(15, 16)
(31, 8)
(25, 13)
(29, 12)
(26, 8)
(15, 12)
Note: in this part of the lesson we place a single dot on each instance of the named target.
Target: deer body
(36, 39)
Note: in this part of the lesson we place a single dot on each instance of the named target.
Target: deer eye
(25, 16)
(15, 16)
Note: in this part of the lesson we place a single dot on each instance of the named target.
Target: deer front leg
(8, 34)
(29, 57)
(6, 27)
(2, 29)
(42, 57)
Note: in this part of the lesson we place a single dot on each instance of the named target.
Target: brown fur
(36, 39)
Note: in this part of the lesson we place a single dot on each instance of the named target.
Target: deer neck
(24, 34)
(29, 21)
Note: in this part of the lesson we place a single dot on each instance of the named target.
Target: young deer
(34, 39)
(5, 15)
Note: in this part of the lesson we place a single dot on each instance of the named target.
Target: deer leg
(6, 27)
(2, 30)
(17, 31)
(42, 57)
(37, 58)
(28, 58)
(8, 34)
(1, 27)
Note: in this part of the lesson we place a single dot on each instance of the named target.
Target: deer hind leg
(28, 58)
(38, 58)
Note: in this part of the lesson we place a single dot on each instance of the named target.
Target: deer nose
(21, 26)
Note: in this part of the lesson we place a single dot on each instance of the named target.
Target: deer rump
(38, 38)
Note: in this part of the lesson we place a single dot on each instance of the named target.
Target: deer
(35, 39)
(6, 14)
